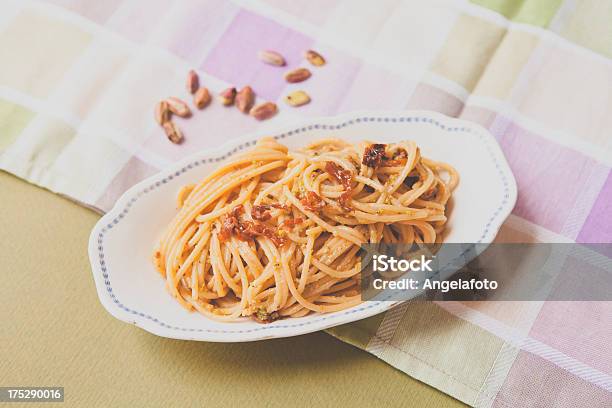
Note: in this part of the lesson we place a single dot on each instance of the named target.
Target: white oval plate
(121, 243)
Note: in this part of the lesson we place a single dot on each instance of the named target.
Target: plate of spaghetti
(262, 237)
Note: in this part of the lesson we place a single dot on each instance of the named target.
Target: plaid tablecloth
(79, 79)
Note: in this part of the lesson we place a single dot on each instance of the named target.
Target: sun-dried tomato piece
(394, 163)
(344, 177)
(312, 202)
(398, 159)
(261, 212)
(374, 155)
(345, 200)
(237, 210)
(289, 224)
(400, 154)
(229, 223)
(248, 230)
(227, 227)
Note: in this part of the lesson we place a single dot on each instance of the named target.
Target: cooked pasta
(277, 233)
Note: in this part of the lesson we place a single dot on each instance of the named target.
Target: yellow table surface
(56, 333)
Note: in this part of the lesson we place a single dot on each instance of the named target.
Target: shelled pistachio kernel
(201, 98)
(297, 98)
(315, 58)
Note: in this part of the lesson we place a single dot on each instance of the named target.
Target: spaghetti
(277, 233)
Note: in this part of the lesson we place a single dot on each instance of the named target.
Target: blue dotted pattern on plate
(116, 220)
